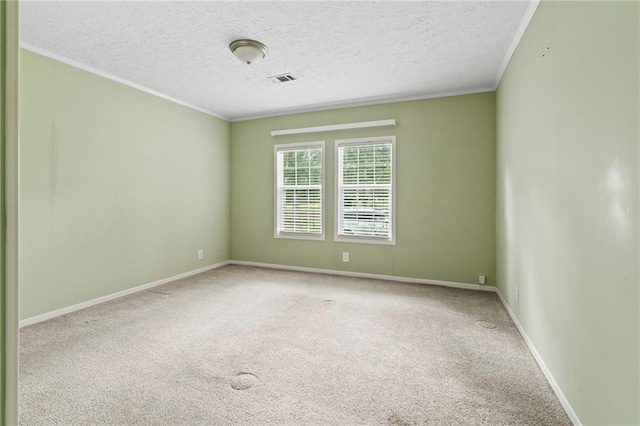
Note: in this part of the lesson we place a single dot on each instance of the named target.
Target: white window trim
(298, 236)
(364, 240)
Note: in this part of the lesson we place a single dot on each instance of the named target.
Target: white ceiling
(344, 53)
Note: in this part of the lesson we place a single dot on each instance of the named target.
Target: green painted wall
(567, 192)
(3, 283)
(445, 190)
(119, 188)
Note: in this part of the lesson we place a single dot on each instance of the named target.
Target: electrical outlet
(481, 279)
(517, 296)
(200, 254)
(345, 256)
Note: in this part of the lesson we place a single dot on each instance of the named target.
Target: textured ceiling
(342, 52)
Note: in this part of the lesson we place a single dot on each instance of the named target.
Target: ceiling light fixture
(248, 51)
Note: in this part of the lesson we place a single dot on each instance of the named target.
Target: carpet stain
(328, 302)
(243, 381)
(486, 324)
(396, 420)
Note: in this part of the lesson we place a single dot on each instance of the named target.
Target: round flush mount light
(248, 51)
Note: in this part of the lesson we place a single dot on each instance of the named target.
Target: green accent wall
(445, 177)
(119, 188)
(567, 190)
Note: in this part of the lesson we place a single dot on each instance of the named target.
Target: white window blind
(365, 190)
(299, 190)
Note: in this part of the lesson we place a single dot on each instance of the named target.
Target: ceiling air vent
(282, 78)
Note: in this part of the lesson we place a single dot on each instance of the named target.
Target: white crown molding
(453, 284)
(526, 19)
(104, 74)
(109, 297)
(277, 113)
(545, 370)
(524, 23)
(359, 103)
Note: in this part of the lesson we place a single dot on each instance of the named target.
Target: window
(299, 190)
(365, 190)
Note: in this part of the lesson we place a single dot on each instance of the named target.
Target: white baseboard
(554, 385)
(93, 302)
(547, 373)
(367, 275)
(109, 297)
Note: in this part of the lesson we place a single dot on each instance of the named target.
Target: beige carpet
(243, 345)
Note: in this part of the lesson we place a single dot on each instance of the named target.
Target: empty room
(320, 213)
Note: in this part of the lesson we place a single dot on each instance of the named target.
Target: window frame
(299, 235)
(338, 171)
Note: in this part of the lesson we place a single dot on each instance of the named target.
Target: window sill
(363, 240)
(311, 237)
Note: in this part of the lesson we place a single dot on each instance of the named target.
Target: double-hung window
(299, 190)
(365, 190)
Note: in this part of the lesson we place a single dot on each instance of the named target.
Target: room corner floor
(244, 345)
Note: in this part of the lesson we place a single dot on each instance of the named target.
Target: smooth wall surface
(8, 212)
(445, 190)
(119, 188)
(567, 189)
(3, 100)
